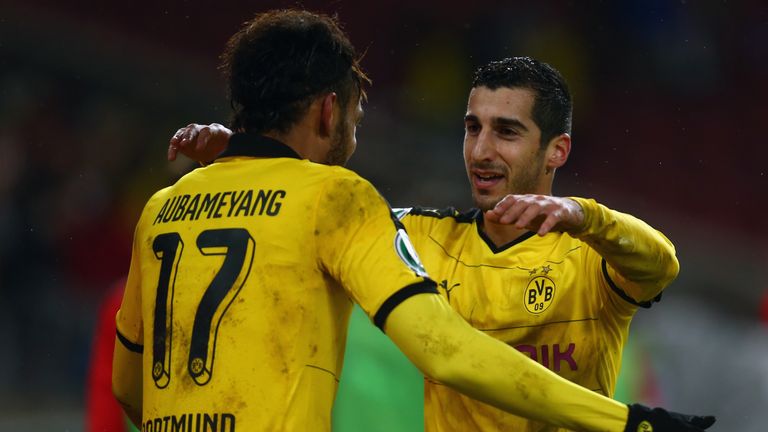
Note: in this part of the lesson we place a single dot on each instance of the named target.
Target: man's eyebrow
(504, 121)
(470, 117)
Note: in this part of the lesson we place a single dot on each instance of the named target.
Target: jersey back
(241, 285)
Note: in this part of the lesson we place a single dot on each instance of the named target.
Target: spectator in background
(103, 413)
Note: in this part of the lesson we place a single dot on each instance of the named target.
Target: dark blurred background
(669, 125)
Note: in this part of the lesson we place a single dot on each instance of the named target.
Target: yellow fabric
(284, 244)
(546, 296)
(448, 350)
(621, 238)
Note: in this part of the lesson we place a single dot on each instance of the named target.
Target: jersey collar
(245, 144)
(521, 238)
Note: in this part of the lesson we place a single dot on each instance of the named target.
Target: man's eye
(472, 128)
(507, 132)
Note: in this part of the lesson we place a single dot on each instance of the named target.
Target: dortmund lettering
(192, 422)
(220, 205)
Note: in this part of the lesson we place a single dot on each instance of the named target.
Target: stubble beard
(523, 181)
(339, 152)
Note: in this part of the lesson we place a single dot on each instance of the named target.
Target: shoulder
(339, 182)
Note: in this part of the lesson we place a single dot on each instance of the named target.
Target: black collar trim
(245, 144)
(496, 249)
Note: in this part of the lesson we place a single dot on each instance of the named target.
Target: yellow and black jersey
(550, 297)
(241, 285)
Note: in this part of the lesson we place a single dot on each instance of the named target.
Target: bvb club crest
(539, 294)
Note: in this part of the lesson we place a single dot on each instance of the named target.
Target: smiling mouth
(485, 181)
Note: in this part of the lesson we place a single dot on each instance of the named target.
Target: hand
(199, 142)
(644, 419)
(540, 213)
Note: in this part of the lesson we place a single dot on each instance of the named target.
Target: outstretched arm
(642, 260)
(445, 348)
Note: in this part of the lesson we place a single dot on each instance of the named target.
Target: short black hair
(280, 60)
(552, 107)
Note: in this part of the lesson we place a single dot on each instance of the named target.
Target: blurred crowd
(669, 105)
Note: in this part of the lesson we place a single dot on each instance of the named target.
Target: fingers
(526, 212)
(534, 212)
(548, 224)
(173, 145)
(504, 205)
(182, 139)
(203, 136)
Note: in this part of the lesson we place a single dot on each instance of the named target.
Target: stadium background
(669, 125)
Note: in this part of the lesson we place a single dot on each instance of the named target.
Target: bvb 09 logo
(539, 294)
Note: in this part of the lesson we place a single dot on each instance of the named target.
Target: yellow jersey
(550, 297)
(241, 284)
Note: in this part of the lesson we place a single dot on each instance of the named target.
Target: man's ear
(327, 114)
(557, 151)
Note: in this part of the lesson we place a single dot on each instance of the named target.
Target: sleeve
(128, 320)
(638, 262)
(364, 247)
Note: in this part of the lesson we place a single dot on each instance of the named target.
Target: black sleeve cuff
(128, 344)
(622, 294)
(427, 286)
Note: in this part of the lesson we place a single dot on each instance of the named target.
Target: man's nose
(484, 148)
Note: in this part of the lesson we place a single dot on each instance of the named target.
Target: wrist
(579, 224)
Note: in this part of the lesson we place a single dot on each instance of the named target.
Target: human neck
(304, 142)
(501, 234)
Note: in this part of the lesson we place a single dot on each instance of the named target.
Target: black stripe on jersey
(128, 344)
(245, 144)
(427, 286)
(622, 294)
(466, 217)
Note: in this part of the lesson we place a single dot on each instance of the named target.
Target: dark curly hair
(552, 107)
(280, 60)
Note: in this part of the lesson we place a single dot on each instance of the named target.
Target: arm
(127, 361)
(641, 260)
(199, 143)
(126, 381)
(445, 348)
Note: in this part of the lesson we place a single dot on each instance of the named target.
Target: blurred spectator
(103, 413)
